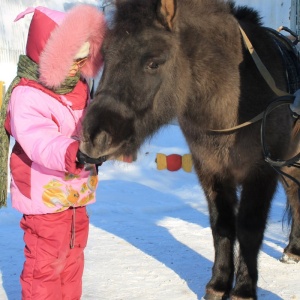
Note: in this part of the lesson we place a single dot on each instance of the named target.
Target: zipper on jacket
(72, 242)
(68, 105)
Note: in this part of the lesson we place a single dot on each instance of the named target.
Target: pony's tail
(296, 129)
(287, 216)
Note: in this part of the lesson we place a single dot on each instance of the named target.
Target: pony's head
(142, 82)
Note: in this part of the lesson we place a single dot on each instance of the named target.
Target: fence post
(2, 92)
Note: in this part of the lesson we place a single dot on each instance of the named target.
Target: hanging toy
(174, 162)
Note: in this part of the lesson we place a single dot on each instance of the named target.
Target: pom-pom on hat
(55, 39)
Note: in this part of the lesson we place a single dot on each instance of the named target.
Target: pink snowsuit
(47, 185)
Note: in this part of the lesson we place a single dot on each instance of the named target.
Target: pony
(188, 60)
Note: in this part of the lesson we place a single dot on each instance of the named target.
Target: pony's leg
(292, 250)
(222, 200)
(257, 193)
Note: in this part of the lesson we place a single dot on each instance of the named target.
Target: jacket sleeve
(35, 128)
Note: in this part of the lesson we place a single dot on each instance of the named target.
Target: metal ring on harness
(283, 100)
(278, 164)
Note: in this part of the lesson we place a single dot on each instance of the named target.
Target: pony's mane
(245, 13)
(134, 14)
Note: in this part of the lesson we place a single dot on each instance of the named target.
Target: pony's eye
(153, 62)
(153, 65)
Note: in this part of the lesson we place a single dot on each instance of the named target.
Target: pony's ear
(166, 11)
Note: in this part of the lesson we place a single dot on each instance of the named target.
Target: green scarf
(30, 70)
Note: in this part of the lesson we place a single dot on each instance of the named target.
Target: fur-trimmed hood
(54, 38)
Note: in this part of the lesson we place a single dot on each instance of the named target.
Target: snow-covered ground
(149, 233)
(150, 237)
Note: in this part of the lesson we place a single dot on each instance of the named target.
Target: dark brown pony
(186, 59)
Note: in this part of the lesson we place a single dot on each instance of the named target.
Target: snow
(150, 237)
(149, 231)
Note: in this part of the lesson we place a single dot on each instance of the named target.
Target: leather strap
(265, 74)
(261, 67)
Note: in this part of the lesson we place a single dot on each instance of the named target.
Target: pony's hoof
(214, 296)
(289, 258)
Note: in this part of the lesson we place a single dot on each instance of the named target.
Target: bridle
(268, 78)
(283, 98)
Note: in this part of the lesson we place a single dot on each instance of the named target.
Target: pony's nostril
(102, 141)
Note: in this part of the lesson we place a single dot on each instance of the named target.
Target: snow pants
(54, 257)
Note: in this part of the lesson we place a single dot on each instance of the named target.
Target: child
(49, 185)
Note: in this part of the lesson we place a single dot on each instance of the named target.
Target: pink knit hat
(54, 39)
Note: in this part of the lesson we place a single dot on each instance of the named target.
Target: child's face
(77, 65)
